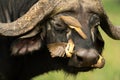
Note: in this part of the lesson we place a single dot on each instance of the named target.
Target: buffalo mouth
(74, 70)
(72, 66)
(63, 63)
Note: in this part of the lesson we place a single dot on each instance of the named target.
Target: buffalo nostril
(95, 59)
(100, 63)
(80, 59)
(87, 57)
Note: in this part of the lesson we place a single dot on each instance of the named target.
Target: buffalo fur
(39, 61)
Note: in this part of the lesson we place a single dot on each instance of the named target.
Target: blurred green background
(111, 53)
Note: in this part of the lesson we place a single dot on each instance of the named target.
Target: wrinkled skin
(28, 55)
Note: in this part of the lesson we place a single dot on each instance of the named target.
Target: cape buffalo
(38, 36)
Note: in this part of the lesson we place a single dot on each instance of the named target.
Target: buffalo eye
(58, 25)
(94, 22)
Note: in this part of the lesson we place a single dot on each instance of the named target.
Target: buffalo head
(69, 28)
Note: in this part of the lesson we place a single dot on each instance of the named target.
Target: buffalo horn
(105, 23)
(109, 28)
(27, 22)
(32, 33)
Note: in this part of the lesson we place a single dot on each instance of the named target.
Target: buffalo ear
(29, 42)
(23, 46)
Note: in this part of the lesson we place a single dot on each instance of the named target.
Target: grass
(111, 71)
